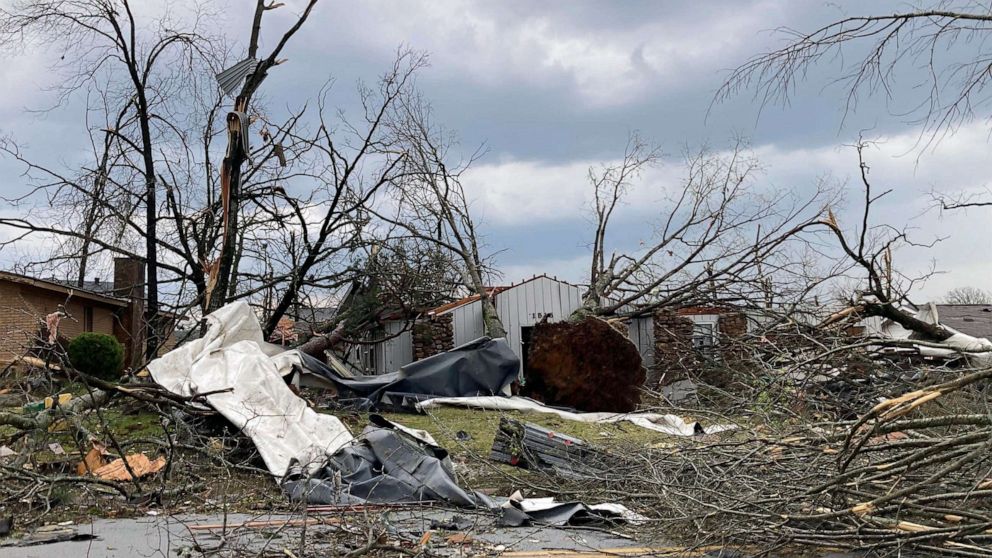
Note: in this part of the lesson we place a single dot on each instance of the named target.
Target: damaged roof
(466, 300)
(970, 319)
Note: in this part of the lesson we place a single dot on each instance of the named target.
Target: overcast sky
(551, 88)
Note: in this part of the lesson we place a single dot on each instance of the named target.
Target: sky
(549, 89)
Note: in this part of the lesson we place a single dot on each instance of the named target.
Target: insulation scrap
(94, 459)
(139, 463)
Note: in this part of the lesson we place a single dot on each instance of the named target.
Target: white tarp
(667, 424)
(233, 355)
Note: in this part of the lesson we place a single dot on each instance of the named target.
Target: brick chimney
(129, 328)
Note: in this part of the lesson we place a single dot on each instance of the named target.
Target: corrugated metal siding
(641, 332)
(395, 352)
(466, 321)
(526, 304)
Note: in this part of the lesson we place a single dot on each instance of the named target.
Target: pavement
(178, 536)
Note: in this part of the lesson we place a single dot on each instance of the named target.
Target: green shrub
(97, 354)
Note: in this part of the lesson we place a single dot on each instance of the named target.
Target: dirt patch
(587, 365)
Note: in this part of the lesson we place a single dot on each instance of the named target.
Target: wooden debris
(261, 524)
(615, 552)
(139, 463)
(94, 459)
(459, 538)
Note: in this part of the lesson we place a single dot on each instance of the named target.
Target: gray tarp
(391, 464)
(481, 367)
(385, 465)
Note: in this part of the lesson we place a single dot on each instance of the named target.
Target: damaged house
(970, 324)
(672, 341)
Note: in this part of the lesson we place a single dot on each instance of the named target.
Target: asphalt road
(172, 536)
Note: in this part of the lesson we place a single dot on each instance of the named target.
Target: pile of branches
(36, 485)
(901, 477)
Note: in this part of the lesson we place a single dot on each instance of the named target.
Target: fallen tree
(569, 363)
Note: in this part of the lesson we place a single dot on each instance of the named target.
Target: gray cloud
(558, 85)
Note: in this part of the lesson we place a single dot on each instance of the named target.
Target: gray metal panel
(231, 78)
(396, 351)
(642, 334)
(466, 321)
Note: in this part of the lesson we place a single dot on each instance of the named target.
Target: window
(703, 338)
(88, 318)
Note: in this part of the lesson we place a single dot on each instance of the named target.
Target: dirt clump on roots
(587, 365)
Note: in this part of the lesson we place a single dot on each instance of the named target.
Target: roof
(970, 319)
(463, 301)
(67, 290)
(495, 291)
(97, 286)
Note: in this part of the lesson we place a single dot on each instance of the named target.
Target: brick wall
(23, 309)
(673, 354)
(674, 357)
(129, 283)
(432, 336)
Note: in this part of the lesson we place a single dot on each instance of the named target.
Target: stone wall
(432, 336)
(732, 325)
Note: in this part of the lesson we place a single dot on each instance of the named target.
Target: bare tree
(967, 295)
(432, 204)
(718, 237)
(284, 216)
(238, 125)
(98, 39)
(943, 46)
(870, 247)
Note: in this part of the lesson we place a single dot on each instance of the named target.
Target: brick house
(114, 308)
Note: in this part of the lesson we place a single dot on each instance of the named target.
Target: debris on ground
(922, 481)
(481, 367)
(48, 403)
(390, 463)
(138, 463)
(47, 534)
(569, 363)
(666, 424)
(530, 446)
(241, 376)
(94, 459)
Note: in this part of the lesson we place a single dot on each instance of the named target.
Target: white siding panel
(523, 305)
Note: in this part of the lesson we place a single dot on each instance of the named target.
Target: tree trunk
(230, 194)
(490, 318)
(887, 310)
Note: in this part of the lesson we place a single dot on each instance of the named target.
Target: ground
(466, 434)
(218, 478)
